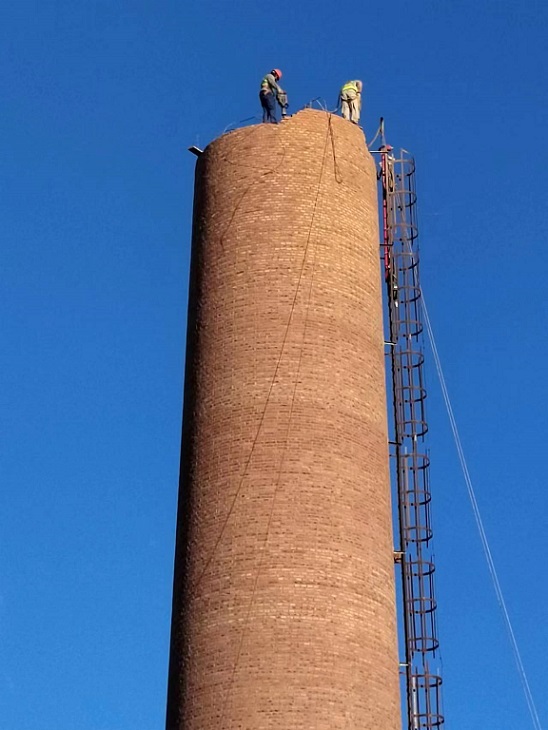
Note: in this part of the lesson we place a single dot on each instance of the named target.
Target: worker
(386, 149)
(271, 92)
(351, 100)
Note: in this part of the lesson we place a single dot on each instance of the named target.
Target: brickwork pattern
(284, 608)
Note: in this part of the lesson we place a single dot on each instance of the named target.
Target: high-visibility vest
(351, 86)
(265, 84)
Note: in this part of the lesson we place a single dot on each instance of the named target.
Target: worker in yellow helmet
(351, 100)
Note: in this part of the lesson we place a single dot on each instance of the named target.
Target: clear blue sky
(100, 99)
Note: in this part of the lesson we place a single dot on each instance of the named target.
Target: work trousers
(268, 104)
(351, 105)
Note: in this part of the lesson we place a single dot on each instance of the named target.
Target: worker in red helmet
(271, 92)
(351, 100)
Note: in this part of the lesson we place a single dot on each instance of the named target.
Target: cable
(374, 138)
(475, 507)
(338, 176)
(286, 440)
(272, 383)
(238, 124)
(479, 522)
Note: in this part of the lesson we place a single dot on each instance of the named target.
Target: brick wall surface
(283, 614)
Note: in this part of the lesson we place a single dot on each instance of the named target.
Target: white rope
(479, 522)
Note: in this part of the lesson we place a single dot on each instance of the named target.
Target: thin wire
(479, 522)
(234, 124)
(269, 393)
(259, 428)
(248, 188)
(338, 176)
(320, 101)
(286, 441)
(374, 138)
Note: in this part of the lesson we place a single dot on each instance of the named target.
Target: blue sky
(100, 100)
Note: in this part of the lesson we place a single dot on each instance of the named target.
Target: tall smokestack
(284, 609)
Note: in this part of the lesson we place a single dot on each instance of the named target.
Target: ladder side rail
(420, 631)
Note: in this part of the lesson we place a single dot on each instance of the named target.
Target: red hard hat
(277, 72)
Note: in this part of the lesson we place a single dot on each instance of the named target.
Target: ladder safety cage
(399, 254)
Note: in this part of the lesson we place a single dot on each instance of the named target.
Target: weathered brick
(283, 614)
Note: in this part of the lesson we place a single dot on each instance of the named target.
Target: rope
(286, 441)
(479, 522)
